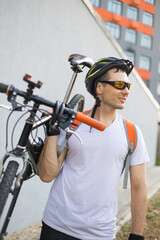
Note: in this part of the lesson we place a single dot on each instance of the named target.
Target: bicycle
(30, 145)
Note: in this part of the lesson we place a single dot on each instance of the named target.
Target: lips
(123, 100)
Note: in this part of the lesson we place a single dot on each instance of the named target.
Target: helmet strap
(98, 103)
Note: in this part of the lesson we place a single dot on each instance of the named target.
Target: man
(82, 203)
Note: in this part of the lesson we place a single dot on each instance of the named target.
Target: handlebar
(10, 89)
(90, 121)
(3, 88)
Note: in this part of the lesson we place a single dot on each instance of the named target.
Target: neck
(104, 115)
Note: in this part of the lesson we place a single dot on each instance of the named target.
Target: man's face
(111, 97)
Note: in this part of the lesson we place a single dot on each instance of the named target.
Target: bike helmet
(100, 67)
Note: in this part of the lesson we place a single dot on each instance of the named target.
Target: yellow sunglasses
(118, 84)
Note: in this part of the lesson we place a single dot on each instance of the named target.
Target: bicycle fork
(19, 151)
(18, 184)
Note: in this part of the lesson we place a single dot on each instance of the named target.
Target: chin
(120, 107)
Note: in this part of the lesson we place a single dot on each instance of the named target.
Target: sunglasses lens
(122, 85)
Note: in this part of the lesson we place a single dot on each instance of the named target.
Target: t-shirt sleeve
(140, 154)
(61, 138)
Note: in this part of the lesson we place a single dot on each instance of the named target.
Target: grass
(158, 161)
(152, 226)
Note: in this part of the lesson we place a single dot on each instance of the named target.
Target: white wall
(36, 38)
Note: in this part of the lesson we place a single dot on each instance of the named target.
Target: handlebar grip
(90, 121)
(3, 88)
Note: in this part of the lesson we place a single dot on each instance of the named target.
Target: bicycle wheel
(77, 103)
(6, 183)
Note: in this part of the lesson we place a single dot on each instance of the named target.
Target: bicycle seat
(77, 59)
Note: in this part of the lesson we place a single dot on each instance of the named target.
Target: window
(158, 88)
(147, 19)
(130, 35)
(144, 62)
(114, 6)
(149, 1)
(130, 56)
(159, 68)
(114, 29)
(132, 13)
(95, 2)
(146, 40)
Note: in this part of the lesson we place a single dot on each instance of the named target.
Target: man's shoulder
(123, 118)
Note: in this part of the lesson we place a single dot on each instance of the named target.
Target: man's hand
(50, 130)
(60, 119)
(135, 237)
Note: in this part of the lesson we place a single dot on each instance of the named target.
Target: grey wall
(36, 38)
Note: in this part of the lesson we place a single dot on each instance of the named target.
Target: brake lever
(10, 108)
(69, 131)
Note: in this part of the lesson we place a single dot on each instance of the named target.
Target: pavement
(153, 179)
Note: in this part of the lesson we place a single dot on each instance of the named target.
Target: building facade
(135, 25)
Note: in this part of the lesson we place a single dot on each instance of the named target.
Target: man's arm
(138, 197)
(49, 165)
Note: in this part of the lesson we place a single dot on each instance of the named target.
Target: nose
(126, 91)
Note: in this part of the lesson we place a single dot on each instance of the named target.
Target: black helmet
(102, 66)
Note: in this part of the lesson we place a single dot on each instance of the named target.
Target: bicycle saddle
(77, 59)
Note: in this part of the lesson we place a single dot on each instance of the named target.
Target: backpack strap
(77, 123)
(132, 141)
(73, 127)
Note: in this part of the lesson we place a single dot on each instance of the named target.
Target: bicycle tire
(77, 102)
(6, 183)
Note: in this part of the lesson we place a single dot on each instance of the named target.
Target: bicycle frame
(23, 149)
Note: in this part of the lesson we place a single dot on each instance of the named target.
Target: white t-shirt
(83, 199)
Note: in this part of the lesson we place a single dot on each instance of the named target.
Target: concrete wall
(36, 38)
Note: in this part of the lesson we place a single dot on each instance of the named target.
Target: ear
(99, 88)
